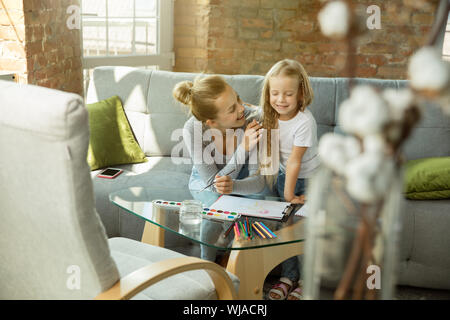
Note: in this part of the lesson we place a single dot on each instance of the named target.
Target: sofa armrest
(140, 279)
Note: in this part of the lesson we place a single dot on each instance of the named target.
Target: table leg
(153, 234)
(252, 266)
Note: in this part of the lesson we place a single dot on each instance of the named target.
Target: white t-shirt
(300, 131)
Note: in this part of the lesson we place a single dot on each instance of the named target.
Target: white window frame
(445, 40)
(164, 58)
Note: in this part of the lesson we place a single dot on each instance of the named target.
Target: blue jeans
(290, 268)
(211, 230)
(300, 186)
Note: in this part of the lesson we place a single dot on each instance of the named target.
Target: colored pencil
(249, 228)
(228, 230)
(236, 230)
(270, 231)
(267, 230)
(258, 232)
(249, 231)
(244, 234)
(262, 229)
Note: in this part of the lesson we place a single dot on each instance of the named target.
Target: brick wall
(249, 36)
(191, 24)
(49, 54)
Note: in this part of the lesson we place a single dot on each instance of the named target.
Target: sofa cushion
(130, 84)
(424, 258)
(175, 165)
(111, 138)
(131, 255)
(428, 178)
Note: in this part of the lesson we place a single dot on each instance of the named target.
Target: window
(128, 33)
(446, 47)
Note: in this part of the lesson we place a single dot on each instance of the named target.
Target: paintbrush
(209, 185)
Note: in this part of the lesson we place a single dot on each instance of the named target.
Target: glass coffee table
(250, 259)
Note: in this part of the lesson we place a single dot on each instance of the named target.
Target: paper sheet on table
(250, 207)
(302, 211)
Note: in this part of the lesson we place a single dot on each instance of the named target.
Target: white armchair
(52, 244)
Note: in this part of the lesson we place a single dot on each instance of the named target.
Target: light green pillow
(111, 139)
(428, 178)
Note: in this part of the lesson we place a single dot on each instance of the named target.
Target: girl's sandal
(296, 294)
(282, 289)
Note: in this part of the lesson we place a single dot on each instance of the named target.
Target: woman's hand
(224, 184)
(252, 135)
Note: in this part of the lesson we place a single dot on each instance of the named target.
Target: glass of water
(191, 217)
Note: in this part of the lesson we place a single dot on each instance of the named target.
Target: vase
(351, 247)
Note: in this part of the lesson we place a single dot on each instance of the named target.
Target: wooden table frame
(251, 266)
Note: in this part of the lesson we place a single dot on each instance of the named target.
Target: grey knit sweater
(210, 162)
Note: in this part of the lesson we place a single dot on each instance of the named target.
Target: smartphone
(109, 173)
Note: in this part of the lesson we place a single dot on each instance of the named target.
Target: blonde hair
(200, 95)
(288, 68)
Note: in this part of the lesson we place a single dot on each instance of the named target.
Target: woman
(223, 160)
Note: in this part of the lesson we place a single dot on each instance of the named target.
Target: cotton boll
(361, 189)
(366, 164)
(360, 181)
(428, 71)
(337, 161)
(334, 19)
(398, 101)
(372, 111)
(374, 144)
(352, 147)
(331, 152)
(326, 143)
(368, 176)
(364, 113)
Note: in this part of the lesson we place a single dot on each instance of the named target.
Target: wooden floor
(403, 292)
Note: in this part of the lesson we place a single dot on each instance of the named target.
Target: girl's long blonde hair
(288, 68)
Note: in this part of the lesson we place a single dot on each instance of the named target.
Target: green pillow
(111, 139)
(428, 178)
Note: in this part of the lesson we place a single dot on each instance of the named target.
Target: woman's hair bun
(183, 92)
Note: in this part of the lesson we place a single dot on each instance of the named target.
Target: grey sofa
(155, 116)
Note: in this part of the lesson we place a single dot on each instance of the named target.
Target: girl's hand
(224, 184)
(252, 135)
(299, 199)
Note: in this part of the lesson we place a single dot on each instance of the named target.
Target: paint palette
(206, 213)
(167, 204)
(220, 215)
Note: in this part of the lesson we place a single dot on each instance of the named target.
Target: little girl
(285, 96)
